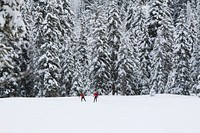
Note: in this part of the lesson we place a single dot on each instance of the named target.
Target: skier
(82, 97)
(95, 96)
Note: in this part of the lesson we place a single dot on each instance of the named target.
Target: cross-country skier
(95, 96)
(82, 97)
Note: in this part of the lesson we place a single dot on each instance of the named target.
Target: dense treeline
(49, 48)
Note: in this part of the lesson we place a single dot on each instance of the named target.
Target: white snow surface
(111, 114)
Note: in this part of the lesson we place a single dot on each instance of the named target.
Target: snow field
(111, 114)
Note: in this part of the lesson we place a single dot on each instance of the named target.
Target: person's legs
(81, 99)
(84, 99)
(95, 99)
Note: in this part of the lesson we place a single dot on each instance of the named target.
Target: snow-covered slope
(111, 114)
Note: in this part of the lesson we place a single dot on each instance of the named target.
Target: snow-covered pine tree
(99, 71)
(197, 89)
(87, 4)
(161, 62)
(24, 66)
(12, 28)
(6, 67)
(130, 17)
(198, 20)
(162, 50)
(47, 72)
(67, 72)
(155, 18)
(66, 47)
(81, 75)
(114, 42)
(27, 50)
(127, 82)
(181, 58)
(12, 25)
(81, 60)
(192, 26)
(194, 50)
(141, 39)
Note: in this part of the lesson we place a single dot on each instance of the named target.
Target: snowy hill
(111, 114)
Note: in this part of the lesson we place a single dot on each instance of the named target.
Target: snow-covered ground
(111, 114)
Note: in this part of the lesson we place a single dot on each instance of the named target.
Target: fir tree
(81, 75)
(194, 50)
(181, 58)
(162, 51)
(127, 72)
(155, 18)
(114, 42)
(68, 70)
(99, 71)
(47, 62)
(198, 20)
(141, 39)
(66, 47)
(27, 51)
(12, 28)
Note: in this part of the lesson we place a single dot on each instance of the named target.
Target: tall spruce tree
(12, 28)
(181, 58)
(128, 53)
(114, 42)
(141, 39)
(99, 71)
(47, 72)
(195, 47)
(155, 18)
(68, 69)
(81, 71)
(198, 21)
(127, 71)
(162, 50)
(27, 54)
(66, 47)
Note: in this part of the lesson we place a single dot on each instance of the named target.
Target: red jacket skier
(82, 97)
(95, 96)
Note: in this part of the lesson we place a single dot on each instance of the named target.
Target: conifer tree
(81, 71)
(194, 50)
(66, 46)
(162, 50)
(114, 42)
(181, 58)
(68, 69)
(47, 63)
(155, 18)
(27, 51)
(128, 55)
(12, 28)
(99, 71)
(141, 39)
(127, 72)
(198, 20)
